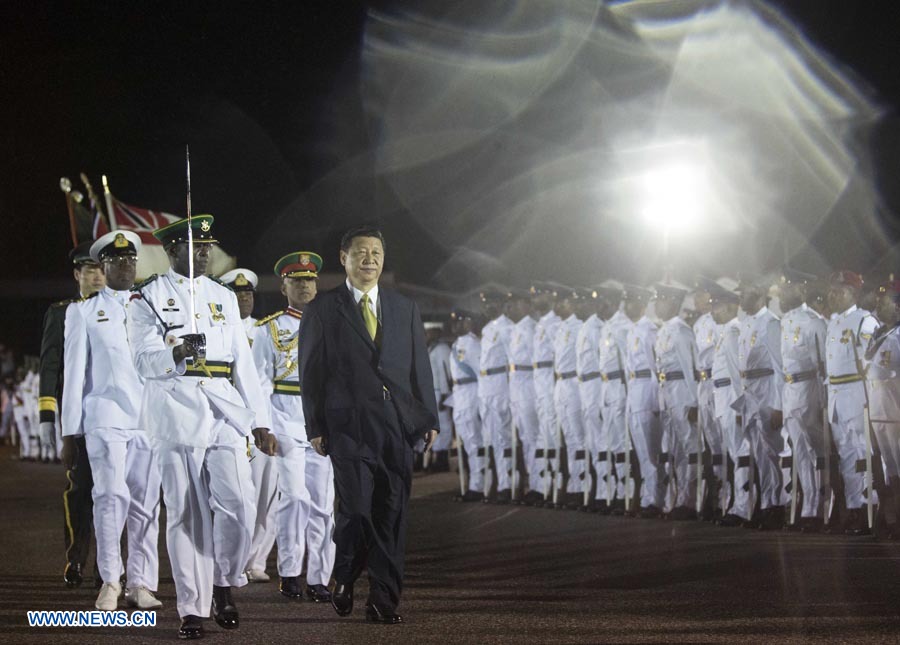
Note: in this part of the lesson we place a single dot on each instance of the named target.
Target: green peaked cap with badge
(177, 232)
(301, 264)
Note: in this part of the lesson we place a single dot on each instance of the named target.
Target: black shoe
(223, 608)
(503, 496)
(342, 599)
(290, 587)
(318, 593)
(470, 496)
(440, 462)
(856, 523)
(191, 628)
(418, 462)
(385, 617)
(600, 506)
(772, 518)
(682, 514)
(811, 524)
(533, 498)
(617, 508)
(731, 521)
(72, 577)
(650, 512)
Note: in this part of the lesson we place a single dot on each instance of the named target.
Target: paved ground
(502, 574)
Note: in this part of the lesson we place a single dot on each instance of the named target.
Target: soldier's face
(667, 308)
(245, 303)
(701, 302)
(841, 298)
(791, 295)
(886, 309)
(299, 291)
(363, 262)
(635, 308)
(120, 271)
(90, 278)
(722, 312)
(564, 308)
(180, 258)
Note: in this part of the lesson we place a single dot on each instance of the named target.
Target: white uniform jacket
(726, 374)
(706, 333)
(640, 363)
(465, 356)
(101, 387)
(493, 380)
(521, 368)
(182, 408)
(675, 352)
(544, 335)
(613, 341)
(802, 357)
(884, 377)
(759, 358)
(275, 353)
(847, 337)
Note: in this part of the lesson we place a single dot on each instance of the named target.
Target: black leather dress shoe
(532, 498)
(731, 520)
(383, 616)
(470, 496)
(191, 628)
(682, 514)
(318, 593)
(617, 508)
(224, 610)
(772, 518)
(811, 524)
(72, 576)
(856, 523)
(342, 599)
(650, 512)
(290, 587)
(503, 496)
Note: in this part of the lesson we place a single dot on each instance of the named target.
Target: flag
(86, 223)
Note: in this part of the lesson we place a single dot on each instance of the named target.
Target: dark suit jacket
(344, 374)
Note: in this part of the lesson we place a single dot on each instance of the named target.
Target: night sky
(257, 90)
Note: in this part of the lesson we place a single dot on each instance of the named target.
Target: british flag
(140, 220)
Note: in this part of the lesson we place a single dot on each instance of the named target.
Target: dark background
(257, 89)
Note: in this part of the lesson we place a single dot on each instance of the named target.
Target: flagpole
(111, 219)
(65, 185)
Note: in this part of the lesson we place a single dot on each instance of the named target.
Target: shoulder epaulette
(143, 283)
(265, 319)
(216, 280)
(93, 295)
(65, 303)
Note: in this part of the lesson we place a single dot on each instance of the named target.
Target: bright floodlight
(674, 196)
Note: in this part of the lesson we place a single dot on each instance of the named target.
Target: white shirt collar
(357, 295)
(849, 311)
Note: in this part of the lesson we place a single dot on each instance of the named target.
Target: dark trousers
(370, 524)
(79, 507)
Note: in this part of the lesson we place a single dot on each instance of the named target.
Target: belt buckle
(662, 377)
(788, 378)
(605, 378)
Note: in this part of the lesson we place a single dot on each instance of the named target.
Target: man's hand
(69, 452)
(692, 415)
(429, 438)
(183, 351)
(265, 441)
(319, 445)
(777, 419)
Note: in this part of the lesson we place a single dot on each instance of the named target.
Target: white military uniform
(802, 347)
(542, 359)
(522, 398)
(614, 396)
(759, 359)
(727, 389)
(465, 356)
(198, 426)
(305, 511)
(439, 356)
(568, 401)
(884, 402)
(643, 410)
(848, 335)
(675, 351)
(29, 447)
(101, 400)
(706, 333)
(493, 396)
(590, 390)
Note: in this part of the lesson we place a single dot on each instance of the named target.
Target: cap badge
(304, 258)
(120, 242)
(241, 281)
(204, 226)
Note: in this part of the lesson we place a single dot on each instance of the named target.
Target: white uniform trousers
(496, 428)
(525, 420)
(766, 445)
(468, 429)
(320, 527)
(712, 434)
(850, 442)
(125, 494)
(292, 513)
(738, 449)
(264, 473)
(683, 443)
(28, 445)
(209, 516)
(613, 417)
(887, 434)
(546, 411)
(646, 437)
(597, 443)
(445, 436)
(568, 413)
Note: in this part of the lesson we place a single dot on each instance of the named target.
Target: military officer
(202, 398)
(759, 356)
(643, 399)
(848, 334)
(304, 517)
(243, 282)
(675, 351)
(521, 392)
(612, 353)
(77, 501)
(545, 454)
(493, 391)
(802, 346)
(439, 357)
(102, 402)
(465, 357)
(590, 388)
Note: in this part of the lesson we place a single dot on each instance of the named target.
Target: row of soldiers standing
(744, 418)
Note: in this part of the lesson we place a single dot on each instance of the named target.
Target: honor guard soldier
(727, 389)
(304, 517)
(759, 358)
(439, 356)
(802, 356)
(77, 501)
(643, 400)
(675, 351)
(521, 392)
(28, 450)
(567, 400)
(847, 337)
(883, 356)
(262, 467)
(590, 387)
(614, 334)
(706, 332)
(542, 359)
(202, 398)
(493, 392)
(465, 358)
(101, 403)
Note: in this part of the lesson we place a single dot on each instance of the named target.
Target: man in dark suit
(368, 398)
